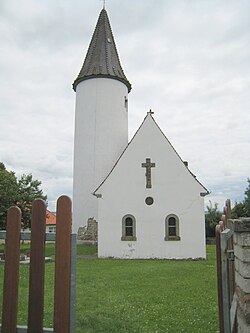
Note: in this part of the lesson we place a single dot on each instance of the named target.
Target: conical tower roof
(102, 58)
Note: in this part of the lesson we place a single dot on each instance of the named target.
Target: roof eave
(107, 76)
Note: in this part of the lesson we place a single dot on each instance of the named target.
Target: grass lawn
(142, 296)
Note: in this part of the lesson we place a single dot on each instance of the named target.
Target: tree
(20, 192)
(247, 199)
(239, 210)
(8, 193)
(28, 191)
(242, 209)
(212, 218)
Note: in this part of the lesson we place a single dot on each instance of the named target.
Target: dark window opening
(128, 227)
(172, 228)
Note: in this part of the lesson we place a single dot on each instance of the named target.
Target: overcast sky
(187, 60)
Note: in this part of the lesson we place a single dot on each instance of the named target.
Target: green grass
(86, 250)
(142, 296)
(49, 250)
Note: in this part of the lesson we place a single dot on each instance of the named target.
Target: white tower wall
(101, 135)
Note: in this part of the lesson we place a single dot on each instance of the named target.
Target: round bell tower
(101, 119)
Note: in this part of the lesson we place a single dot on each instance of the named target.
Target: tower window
(126, 102)
(172, 228)
(128, 228)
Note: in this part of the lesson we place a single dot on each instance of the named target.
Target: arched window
(172, 228)
(128, 228)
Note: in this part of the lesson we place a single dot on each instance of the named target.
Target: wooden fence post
(62, 266)
(37, 267)
(11, 271)
(218, 230)
(65, 270)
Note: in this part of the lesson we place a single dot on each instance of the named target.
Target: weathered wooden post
(11, 271)
(218, 230)
(225, 273)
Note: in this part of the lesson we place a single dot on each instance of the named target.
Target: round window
(149, 201)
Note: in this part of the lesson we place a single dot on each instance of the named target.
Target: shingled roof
(102, 58)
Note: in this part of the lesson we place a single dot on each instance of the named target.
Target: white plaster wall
(101, 134)
(175, 191)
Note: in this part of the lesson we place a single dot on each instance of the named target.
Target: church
(146, 201)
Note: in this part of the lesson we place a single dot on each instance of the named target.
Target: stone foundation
(89, 233)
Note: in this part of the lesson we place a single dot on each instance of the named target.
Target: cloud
(187, 61)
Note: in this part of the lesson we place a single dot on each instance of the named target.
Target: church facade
(145, 199)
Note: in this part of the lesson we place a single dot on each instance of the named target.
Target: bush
(212, 218)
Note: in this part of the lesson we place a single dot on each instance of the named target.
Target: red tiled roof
(50, 218)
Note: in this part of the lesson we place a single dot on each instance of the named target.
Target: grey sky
(187, 60)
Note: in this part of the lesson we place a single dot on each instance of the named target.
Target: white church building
(146, 201)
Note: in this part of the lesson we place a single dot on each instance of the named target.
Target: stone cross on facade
(148, 165)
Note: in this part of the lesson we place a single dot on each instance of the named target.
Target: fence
(227, 299)
(65, 270)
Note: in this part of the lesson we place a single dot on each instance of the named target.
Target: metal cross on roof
(150, 112)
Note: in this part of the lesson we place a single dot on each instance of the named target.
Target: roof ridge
(149, 115)
(106, 45)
